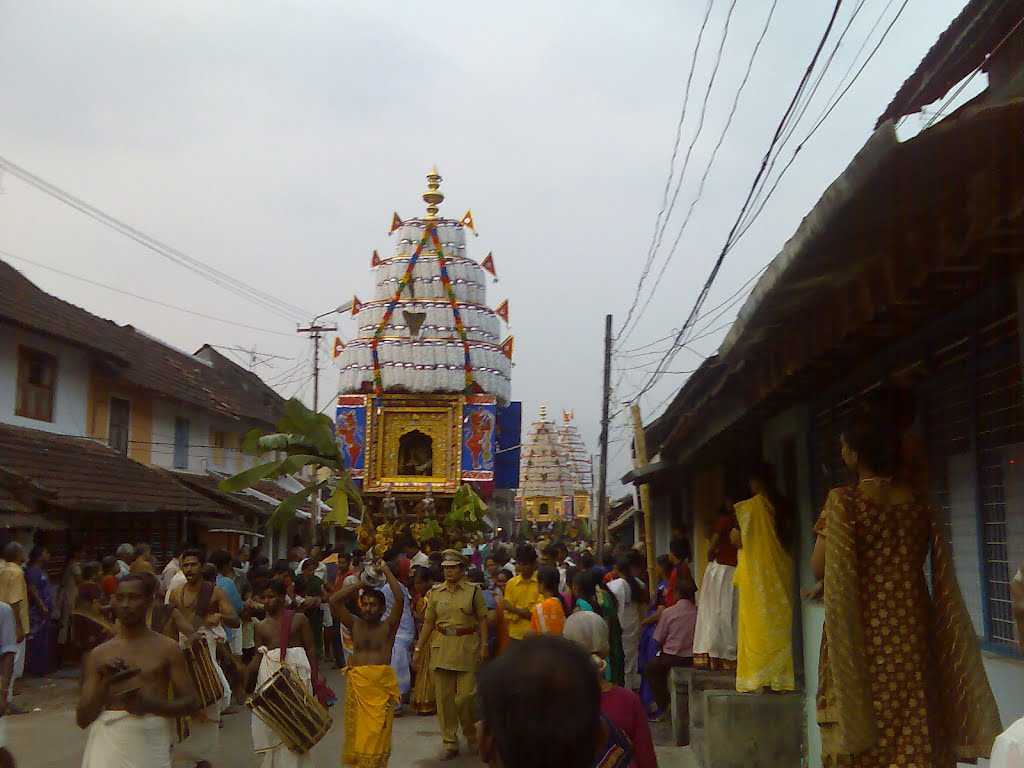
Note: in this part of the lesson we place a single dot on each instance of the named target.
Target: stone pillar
(702, 680)
(745, 730)
(679, 692)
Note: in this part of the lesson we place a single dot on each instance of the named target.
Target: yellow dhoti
(371, 693)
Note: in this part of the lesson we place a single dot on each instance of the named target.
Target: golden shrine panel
(581, 506)
(542, 509)
(415, 443)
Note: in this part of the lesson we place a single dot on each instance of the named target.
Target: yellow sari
(764, 577)
(370, 697)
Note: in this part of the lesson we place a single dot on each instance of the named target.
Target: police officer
(455, 625)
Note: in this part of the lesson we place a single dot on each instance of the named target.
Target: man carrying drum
(201, 610)
(455, 625)
(125, 681)
(282, 634)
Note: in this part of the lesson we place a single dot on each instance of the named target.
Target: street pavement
(49, 738)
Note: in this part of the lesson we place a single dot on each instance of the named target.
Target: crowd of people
(524, 651)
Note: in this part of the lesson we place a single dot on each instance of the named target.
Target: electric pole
(602, 485)
(314, 330)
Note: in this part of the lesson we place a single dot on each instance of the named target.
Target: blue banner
(509, 436)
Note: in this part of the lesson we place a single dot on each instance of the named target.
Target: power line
(821, 120)
(970, 77)
(215, 276)
(671, 165)
(705, 289)
(123, 292)
(710, 164)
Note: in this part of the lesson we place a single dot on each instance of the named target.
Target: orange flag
(467, 222)
(502, 310)
(396, 222)
(488, 264)
(356, 305)
(507, 345)
(339, 346)
(375, 261)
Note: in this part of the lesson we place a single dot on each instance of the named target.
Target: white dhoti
(715, 633)
(264, 740)
(401, 661)
(120, 740)
(19, 666)
(203, 742)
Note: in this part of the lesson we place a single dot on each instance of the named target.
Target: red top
(624, 709)
(109, 584)
(683, 570)
(725, 553)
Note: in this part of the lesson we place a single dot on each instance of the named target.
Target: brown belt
(457, 631)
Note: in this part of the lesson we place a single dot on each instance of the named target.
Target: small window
(37, 374)
(120, 422)
(181, 436)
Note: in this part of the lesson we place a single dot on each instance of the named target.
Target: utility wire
(671, 166)
(710, 164)
(959, 90)
(705, 289)
(821, 120)
(8, 255)
(215, 276)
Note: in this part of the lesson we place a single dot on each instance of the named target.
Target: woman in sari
(38, 659)
(764, 577)
(423, 698)
(901, 680)
(67, 597)
(648, 645)
(593, 596)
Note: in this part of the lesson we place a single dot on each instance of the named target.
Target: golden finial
(433, 197)
(543, 413)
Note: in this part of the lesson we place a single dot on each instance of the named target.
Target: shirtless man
(301, 657)
(127, 713)
(369, 670)
(202, 610)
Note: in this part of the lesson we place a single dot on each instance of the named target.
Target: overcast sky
(273, 140)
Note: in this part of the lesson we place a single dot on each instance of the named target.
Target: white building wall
(72, 382)
(165, 412)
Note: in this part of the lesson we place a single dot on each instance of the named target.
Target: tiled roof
(207, 380)
(961, 49)
(209, 485)
(80, 473)
(24, 304)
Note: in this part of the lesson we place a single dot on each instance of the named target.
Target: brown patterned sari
(901, 682)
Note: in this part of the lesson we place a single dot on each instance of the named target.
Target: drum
(201, 669)
(288, 708)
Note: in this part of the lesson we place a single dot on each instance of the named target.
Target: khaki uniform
(454, 658)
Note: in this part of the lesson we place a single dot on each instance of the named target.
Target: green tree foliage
(303, 439)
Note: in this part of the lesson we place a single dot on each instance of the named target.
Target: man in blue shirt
(221, 560)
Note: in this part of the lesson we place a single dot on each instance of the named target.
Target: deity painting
(478, 439)
(350, 428)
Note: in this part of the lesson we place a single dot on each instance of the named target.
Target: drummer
(202, 611)
(300, 656)
(455, 625)
(128, 721)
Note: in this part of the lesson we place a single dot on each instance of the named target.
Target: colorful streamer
(446, 283)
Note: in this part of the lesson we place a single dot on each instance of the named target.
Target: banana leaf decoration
(308, 440)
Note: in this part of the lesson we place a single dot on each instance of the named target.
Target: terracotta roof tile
(209, 485)
(25, 304)
(86, 475)
(207, 380)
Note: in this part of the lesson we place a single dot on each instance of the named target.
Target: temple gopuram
(424, 409)
(555, 476)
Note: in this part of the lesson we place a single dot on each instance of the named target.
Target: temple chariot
(424, 418)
